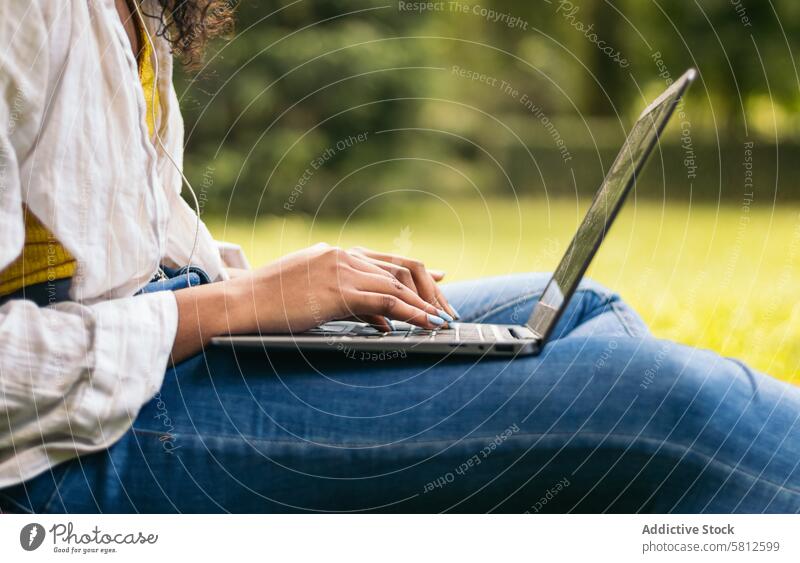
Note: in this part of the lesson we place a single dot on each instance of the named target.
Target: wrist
(233, 306)
(203, 312)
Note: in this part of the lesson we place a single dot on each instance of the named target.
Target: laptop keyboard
(457, 332)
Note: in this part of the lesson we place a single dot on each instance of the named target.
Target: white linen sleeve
(72, 377)
(212, 255)
(232, 255)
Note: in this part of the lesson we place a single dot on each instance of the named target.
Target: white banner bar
(399, 538)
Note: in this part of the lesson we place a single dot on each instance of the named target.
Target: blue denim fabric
(175, 279)
(606, 418)
(43, 294)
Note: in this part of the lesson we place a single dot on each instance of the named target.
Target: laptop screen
(607, 202)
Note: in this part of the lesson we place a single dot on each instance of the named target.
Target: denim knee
(707, 403)
(601, 291)
(522, 291)
(500, 299)
(681, 380)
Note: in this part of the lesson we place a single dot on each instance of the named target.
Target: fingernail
(433, 319)
(444, 315)
(455, 312)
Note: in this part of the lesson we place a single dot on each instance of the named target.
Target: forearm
(205, 311)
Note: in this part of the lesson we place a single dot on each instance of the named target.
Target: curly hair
(189, 25)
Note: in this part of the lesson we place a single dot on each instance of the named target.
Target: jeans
(606, 419)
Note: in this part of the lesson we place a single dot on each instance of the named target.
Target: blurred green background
(473, 135)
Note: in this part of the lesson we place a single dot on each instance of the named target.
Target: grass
(720, 278)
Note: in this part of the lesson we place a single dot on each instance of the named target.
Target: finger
(389, 285)
(395, 308)
(428, 288)
(422, 279)
(446, 304)
(364, 264)
(400, 272)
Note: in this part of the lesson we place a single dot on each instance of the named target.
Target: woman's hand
(322, 283)
(305, 289)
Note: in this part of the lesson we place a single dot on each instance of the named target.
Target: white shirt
(74, 147)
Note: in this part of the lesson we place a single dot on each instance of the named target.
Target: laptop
(503, 340)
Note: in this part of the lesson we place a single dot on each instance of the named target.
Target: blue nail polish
(435, 320)
(455, 311)
(445, 316)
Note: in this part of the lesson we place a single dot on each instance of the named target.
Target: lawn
(720, 278)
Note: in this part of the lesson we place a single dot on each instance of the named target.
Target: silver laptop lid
(607, 202)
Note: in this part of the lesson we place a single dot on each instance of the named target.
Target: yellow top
(43, 258)
(147, 76)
